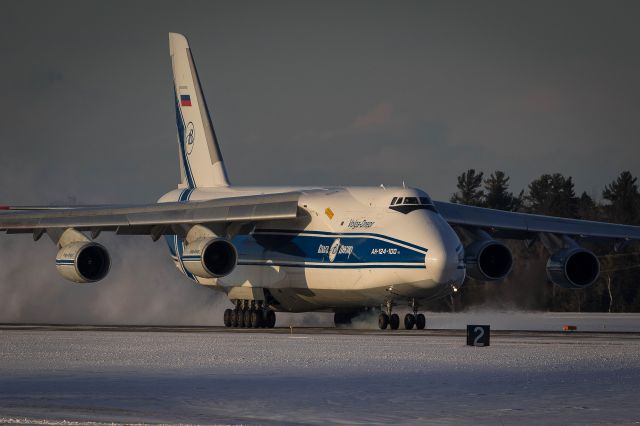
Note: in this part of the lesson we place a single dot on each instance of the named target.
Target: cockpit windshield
(409, 204)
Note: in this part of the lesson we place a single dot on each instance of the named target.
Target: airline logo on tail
(190, 137)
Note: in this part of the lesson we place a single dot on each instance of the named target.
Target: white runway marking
(247, 377)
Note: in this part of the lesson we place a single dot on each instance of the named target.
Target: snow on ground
(499, 320)
(537, 321)
(317, 378)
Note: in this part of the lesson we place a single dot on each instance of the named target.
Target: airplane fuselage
(350, 247)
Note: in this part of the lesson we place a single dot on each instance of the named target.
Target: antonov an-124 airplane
(297, 249)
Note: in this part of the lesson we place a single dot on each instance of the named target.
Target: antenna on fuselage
(382, 186)
(403, 185)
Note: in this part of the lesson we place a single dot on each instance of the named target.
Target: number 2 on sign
(480, 332)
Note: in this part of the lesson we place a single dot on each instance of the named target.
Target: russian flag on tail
(185, 100)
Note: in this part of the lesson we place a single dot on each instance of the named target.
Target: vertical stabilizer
(201, 163)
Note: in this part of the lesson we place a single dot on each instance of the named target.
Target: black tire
(383, 321)
(421, 322)
(256, 319)
(409, 321)
(271, 319)
(341, 319)
(247, 318)
(227, 317)
(263, 318)
(394, 321)
(235, 318)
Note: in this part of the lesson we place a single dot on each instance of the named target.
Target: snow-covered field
(376, 377)
(499, 320)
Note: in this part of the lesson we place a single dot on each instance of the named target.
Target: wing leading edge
(141, 219)
(524, 224)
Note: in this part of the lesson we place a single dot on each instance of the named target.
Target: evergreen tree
(624, 199)
(469, 189)
(587, 208)
(552, 195)
(497, 195)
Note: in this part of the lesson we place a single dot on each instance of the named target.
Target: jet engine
(573, 267)
(83, 262)
(487, 260)
(210, 257)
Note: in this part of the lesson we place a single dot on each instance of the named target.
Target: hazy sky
(311, 93)
(318, 93)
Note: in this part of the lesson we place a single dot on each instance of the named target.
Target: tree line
(527, 287)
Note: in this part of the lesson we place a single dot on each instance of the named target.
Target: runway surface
(205, 375)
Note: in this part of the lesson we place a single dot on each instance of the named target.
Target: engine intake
(573, 268)
(83, 262)
(488, 260)
(210, 257)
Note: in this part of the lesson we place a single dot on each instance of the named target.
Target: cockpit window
(408, 204)
(410, 200)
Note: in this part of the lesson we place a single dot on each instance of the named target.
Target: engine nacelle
(573, 267)
(83, 262)
(210, 257)
(487, 260)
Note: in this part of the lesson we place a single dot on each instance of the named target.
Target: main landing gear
(388, 319)
(249, 314)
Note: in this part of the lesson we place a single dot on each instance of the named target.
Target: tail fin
(201, 163)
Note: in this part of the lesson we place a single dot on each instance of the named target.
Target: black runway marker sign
(478, 335)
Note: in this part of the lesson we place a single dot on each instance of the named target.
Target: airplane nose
(444, 259)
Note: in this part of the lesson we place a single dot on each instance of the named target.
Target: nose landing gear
(409, 321)
(387, 319)
(421, 322)
(415, 319)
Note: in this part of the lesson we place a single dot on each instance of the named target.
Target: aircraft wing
(147, 218)
(522, 225)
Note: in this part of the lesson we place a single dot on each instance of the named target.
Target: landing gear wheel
(227, 317)
(394, 321)
(262, 313)
(256, 319)
(421, 322)
(241, 318)
(271, 319)
(409, 321)
(247, 318)
(235, 318)
(342, 319)
(383, 321)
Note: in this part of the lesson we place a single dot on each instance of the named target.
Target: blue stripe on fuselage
(312, 249)
(338, 235)
(332, 265)
(309, 247)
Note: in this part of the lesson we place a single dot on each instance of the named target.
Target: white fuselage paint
(346, 249)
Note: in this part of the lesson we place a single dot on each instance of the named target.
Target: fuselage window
(411, 200)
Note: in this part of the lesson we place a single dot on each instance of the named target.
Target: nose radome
(442, 260)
